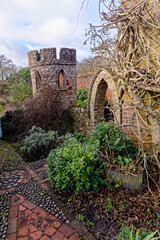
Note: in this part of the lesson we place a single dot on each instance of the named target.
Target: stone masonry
(48, 70)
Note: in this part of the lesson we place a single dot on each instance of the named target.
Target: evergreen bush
(39, 141)
(75, 166)
(118, 149)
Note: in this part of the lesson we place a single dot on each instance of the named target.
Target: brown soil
(104, 218)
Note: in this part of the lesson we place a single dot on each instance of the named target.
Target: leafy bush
(18, 91)
(82, 98)
(25, 73)
(39, 141)
(118, 148)
(80, 137)
(75, 166)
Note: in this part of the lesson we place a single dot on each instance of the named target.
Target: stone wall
(47, 70)
(82, 123)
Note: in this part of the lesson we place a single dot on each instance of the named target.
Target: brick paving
(28, 221)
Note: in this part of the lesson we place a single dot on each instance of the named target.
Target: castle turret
(59, 73)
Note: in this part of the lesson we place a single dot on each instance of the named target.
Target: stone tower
(48, 70)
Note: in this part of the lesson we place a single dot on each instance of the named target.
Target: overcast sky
(33, 24)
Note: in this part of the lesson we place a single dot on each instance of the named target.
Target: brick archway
(101, 83)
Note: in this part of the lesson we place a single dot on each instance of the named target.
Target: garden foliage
(18, 91)
(82, 98)
(116, 147)
(19, 86)
(126, 233)
(25, 73)
(39, 141)
(80, 137)
(75, 166)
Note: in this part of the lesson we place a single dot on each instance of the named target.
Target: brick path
(28, 221)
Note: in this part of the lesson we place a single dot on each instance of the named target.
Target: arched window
(62, 79)
(38, 80)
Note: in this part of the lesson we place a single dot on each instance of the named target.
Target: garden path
(27, 210)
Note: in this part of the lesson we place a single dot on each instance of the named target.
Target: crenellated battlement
(48, 56)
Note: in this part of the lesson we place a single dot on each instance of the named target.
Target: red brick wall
(84, 81)
(129, 123)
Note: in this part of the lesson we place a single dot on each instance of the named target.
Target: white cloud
(31, 24)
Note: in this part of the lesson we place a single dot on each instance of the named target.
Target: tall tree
(6, 67)
(90, 65)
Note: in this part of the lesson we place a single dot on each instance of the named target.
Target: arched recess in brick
(121, 101)
(100, 83)
(62, 79)
(38, 80)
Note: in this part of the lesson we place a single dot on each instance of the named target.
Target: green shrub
(80, 137)
(116, 146)
(24, 72)
(75, 166)
(39, 141)
(82, 98)
(18, 91)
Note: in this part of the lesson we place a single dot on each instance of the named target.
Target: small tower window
(38, 80)
(61, 80)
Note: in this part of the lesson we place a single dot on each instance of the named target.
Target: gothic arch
(62, 79)
(100, 83)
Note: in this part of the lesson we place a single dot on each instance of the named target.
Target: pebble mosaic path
(27, 211)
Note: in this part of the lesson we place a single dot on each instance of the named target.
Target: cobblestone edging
(38, 164)
(42, 173)
(33, 192)
(9, 180)
(4, 212)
